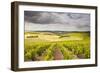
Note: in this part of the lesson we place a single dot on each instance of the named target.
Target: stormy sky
(56, 21)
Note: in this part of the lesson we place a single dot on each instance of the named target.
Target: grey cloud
(74, 21)
(46, 17)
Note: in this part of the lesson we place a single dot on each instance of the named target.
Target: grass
(40, 46)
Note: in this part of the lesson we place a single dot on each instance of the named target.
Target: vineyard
(56, 46)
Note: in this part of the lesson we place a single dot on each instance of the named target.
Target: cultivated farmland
(56, 45)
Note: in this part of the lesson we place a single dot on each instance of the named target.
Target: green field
(46, 46)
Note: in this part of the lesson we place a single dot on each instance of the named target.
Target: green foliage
(48, 55)
(66, 53)
(79, 48)
(71, 49)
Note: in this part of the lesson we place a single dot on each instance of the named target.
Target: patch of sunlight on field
(44, 37)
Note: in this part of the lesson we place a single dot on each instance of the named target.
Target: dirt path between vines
(58, 54)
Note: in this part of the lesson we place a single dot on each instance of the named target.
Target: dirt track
(58, 54)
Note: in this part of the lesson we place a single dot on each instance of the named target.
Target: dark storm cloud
(57, 20)
(31, 16)
(45, 17)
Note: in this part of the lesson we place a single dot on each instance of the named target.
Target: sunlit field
(46, 46)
